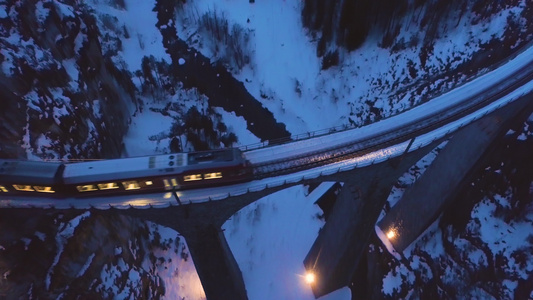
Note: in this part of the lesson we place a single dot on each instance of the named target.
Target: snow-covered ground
(270, 239)
(285, 73)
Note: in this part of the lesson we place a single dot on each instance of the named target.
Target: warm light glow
(86, 188)
(3, 189)
(174, 182)
(193, 177)
(310, 278)
(44, 189)
(108, 186)
(130, 185)
(168, 185)
(213, 175)
(138, 202)
(149, 182)
(167, 195)
(391, 234)
(25, 188)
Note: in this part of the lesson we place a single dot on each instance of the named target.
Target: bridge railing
(298, 137)
(326, 131)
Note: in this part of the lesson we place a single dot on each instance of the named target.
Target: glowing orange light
(310, 278)
(391, 234)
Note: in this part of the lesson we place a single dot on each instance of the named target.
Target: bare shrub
(231, 43)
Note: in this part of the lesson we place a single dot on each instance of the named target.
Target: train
(176, 171)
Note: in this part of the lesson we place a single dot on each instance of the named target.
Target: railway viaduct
(342, 241)
(351, 222)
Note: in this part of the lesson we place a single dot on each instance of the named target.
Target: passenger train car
(122, 176)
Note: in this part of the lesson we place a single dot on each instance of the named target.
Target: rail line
(388, 138)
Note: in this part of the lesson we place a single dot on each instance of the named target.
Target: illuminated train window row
(127, 185)
(29, 188)
(134, 185)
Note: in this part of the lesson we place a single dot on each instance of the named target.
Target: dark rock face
(51, 254)
(349, 23)
(12, 124)
(53, 72)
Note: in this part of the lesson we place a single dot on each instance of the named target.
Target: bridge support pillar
(332, 251)
(200, 225)
(423, 202)
(336, 252)
(216, 266)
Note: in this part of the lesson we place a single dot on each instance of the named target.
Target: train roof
(22, 172)
(126, 167)
(219, 155)
(157, 165)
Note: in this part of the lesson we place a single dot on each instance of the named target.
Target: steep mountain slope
(64, 97)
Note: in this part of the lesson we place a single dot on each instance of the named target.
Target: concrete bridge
(367, 160)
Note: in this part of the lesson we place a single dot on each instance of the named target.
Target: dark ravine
(214, 80)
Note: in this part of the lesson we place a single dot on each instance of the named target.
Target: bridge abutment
(215, 264)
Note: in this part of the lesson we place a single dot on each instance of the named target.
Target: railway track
(390, 137)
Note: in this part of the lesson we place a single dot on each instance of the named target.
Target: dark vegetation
(349, 23)
(340, 27)
(232, 40)
(213, 79)
(38, 75)
(39, 258)
(88, 115)
(203, 129)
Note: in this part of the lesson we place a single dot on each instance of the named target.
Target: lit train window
(130, 185)
(87, 188)
(108, 186)
(149, 182)
(3, 188)
(25, 188)
(168, 185)
(213, 175)
(192, 177)
(44, 189)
